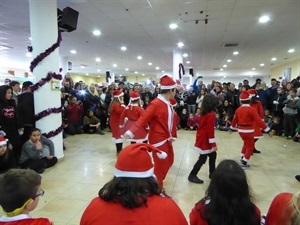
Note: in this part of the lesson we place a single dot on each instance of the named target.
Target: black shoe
(256, 151)
(297, 177)
(195, 179)
(210, 175)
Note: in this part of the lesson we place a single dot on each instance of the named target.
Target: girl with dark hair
(227, 200)
(205, 138)
(9, 120)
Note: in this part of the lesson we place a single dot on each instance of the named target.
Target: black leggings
(39, 165)
(133, 142)
(202, 159)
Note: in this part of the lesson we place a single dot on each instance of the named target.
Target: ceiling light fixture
(225, 66)
(126, 69)
(253, 68)
(188, 62)
(139, 57)
(221, 69)
(262, 64)
(150, 63)
(162, 71)
(86, 74)
(115, 65)
(136, 72)
(264, 19)
(73, 52)
(98, 59)
(180, 44)
(28, 54)
(98, 71)
(157, 68)
(185, 55)
(274, 59)
(96, 32)
(291, 50)
(173, 26)
(143, 74)
(229, 60)
(123, 48)
(82, 66)
(30, 38)
(236, 53)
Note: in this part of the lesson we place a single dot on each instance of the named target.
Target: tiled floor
(89, 161)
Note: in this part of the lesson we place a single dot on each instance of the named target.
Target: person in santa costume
(176, 119)
(20, 192)
(256, 104)
(284, 209)
(133, 196)
(116, 108)
(130, 115)
(160, 115)
(227, 200)
(205, 138)
(245, 119)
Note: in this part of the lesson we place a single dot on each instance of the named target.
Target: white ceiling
(144, 29)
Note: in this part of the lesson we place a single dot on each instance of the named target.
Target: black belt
(244, 125)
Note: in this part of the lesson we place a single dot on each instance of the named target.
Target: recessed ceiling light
(98, 59)
(229, 60)
(264, 19)
(150, 63)
(96, 32)
(115, 65)
(224, 76)
(139, 57)
(82, 67)
(73, 52)
(123, 48)
(180, 44)
(30, 38)
(86, 74)
(126, 69)
(236, 53)
(291, 50)
(120, 75)
(188, 62)
(274, 59)
(253, 68)
(173, 26)
(143, 74)
(98, 70)
(221, 69)
(162, 71)
(185, 55)
(136, 72)
(251, 75)
(28, 54)
(262, 64)
(99, 76)
(225, 66)
(157, 68)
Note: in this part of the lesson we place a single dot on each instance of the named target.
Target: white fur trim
(161, 155)
(212, 140)
(136, 98)
(129, 133)
(233, 128)
(267, 129)
(201, 151)
(3, 143)
(117, 96)
(138, 140)
(120, 173)
(117, 141)
(245, 99)
(246, 131)
(162, 87)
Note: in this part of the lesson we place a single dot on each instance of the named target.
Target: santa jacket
(159, 114)
(24, 219)
(159, 211)
(176, 122)
(128, 117)
(205, 137)
(260, 110)
(245, 118)
(114, 121)
(195, 216)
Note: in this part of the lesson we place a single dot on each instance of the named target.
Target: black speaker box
(69, 19)
(69, 66)
(107, 76)
(191, 71)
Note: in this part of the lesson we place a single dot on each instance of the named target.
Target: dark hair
(13, 83)
(129, 192)
(77, 84)
(3, 90)
(164, 91)
(17, 186)
(293, 90)
(33, 130)
(26, 85)
(209, 103)
(229, 197)
(254, 100)
(245, 101)
(273, 79)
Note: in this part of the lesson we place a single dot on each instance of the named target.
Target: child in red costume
(130, 115)
(205, 138)
(176, 119)
(115, 109)
(133, 196)
(19, 194)
(260, 110)
(160, 115)
(227, 200)
(245, 119)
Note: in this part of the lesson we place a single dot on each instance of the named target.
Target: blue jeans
(191, 109)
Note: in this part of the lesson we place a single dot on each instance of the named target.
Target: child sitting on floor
(191, 123)
(20, 192)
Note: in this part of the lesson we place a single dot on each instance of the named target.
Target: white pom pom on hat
(135, 161)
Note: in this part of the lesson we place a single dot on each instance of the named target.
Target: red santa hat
(118, 93)
(135, 161)
(167, 82)
(134, 95)
(3, 141)
(173, 102)
(252, 92)
(245, 96)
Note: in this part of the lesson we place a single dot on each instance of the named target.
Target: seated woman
(133, 194)
(91, 124)
(7, 159)
(38, 152)
(227, 199)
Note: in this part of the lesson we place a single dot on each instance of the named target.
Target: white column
(112, 75)
(63, 63)
(44, 32)
(177, 58)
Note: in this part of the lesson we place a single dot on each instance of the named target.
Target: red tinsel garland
(181, 69)
(43, 81)
(54, 132)
(47, 112)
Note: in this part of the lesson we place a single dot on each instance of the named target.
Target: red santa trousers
(248, 146)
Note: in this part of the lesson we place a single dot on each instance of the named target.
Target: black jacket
(25, 108)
